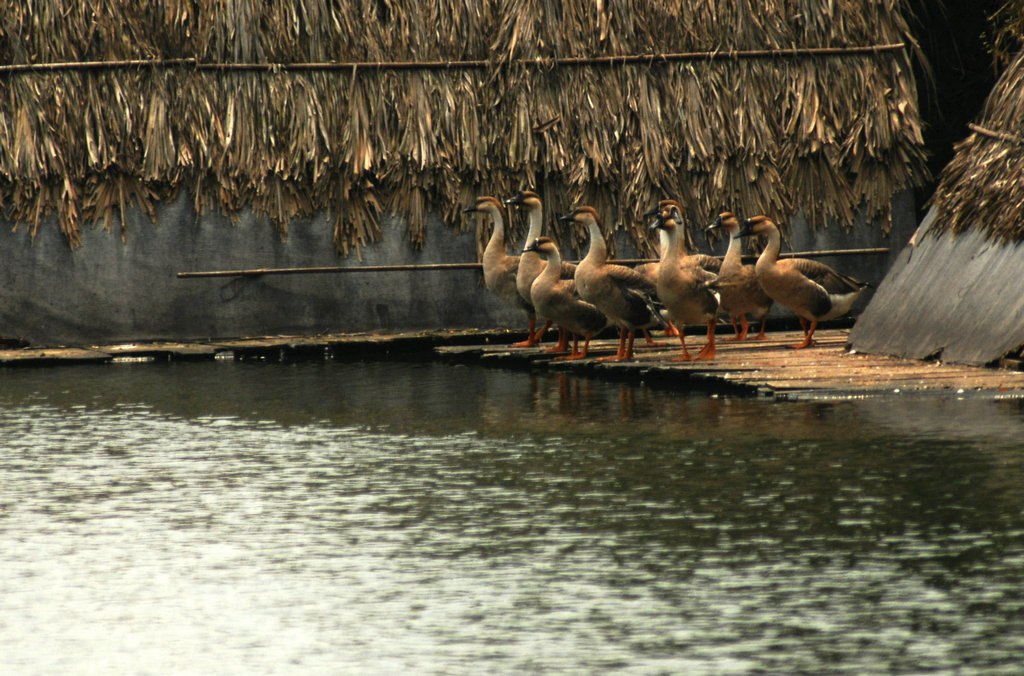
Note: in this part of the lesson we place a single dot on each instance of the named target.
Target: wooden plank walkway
(765, 368)
(770, 368)
(263, 348)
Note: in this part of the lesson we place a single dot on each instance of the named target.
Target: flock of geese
(681, 288)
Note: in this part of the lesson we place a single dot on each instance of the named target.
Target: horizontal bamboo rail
(256, 272)
(545, 62)
(1000, 135)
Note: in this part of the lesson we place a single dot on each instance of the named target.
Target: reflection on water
(332, 518)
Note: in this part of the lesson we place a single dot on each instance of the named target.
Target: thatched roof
(1006, 31)
(952, 295)
(983, 186)
(292, 108)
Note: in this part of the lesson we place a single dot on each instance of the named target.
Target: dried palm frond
(292, 109)
(982, 187)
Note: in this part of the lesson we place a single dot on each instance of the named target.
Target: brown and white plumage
(530, 263)
(737, 284)
(683, 287)
(558, 299)
(710, 263)
(812, 290)
(500, 268)
(621, 293)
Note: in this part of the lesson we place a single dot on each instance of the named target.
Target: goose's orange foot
(561, 346)
(808, 335)
(571, 357)
(651, 341)
(563, 342)
(539, 336)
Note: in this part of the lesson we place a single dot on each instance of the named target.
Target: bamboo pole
(549, 62)
(257, 272)
(999, 135)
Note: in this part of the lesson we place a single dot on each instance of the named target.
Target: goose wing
(576, 314)
(638, 292)
(709, 263)
(832, 281)
(630, 280)
(501, 280)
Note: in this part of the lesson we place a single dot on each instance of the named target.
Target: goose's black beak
(515, 200)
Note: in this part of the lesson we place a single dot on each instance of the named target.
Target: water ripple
(179, 520)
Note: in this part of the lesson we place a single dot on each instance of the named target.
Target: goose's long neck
(496, 249)
(536, 222)
(662, 243)
(496, 244)
(734, 254)
(598, 251)
(553, 270)
(770, 254)
(674, 245)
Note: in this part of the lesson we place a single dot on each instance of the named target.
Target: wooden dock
(766, 368)
(769, 368)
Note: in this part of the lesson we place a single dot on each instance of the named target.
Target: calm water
(387, 518)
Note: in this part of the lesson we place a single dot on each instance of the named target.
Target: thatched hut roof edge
(829, 133)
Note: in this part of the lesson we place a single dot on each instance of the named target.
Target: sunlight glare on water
(379, 518)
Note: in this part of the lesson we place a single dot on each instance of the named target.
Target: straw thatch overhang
(372, 106)
(982, 187)
(955, 293)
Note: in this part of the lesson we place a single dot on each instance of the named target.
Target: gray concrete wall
(110, 291)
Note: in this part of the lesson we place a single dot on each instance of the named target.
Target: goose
(557, 299)
(650, 271)
(710, 263)
(621, 293)
(531, 264)
(812, 290)
(737, 283)
(499, 268)
(683, 286)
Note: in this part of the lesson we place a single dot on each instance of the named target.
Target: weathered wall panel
(955, 299)
(108, 290)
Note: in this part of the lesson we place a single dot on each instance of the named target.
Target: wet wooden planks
(767, 367)
(263, 348)
(770, 367)
(52, 356)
